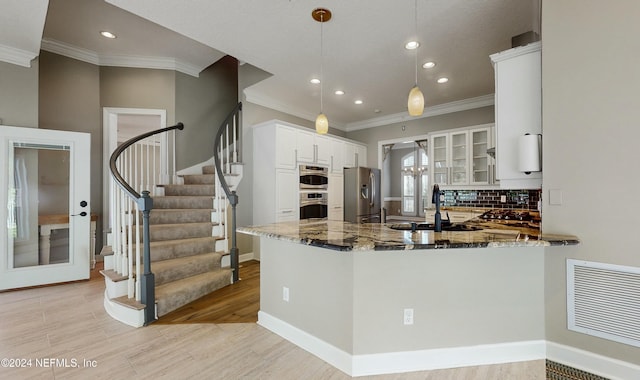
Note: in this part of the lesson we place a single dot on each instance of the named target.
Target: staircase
(167, 251)
(184, 258)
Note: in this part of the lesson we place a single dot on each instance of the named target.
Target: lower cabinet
(336, 195)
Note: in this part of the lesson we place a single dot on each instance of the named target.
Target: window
(415, 182)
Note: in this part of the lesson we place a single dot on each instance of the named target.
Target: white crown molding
(70, 51)
(441, 109)
(16, 56)
(89, 56)
(516, 51)
(252, 97)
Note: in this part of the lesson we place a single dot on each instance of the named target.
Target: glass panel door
(45, 184)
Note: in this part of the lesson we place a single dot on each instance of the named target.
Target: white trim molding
(440, 109)
(406, 361)
(593, 363)
(85, 55)
(16, 56)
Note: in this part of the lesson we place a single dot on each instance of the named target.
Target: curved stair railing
(134, 162)
(227, 156)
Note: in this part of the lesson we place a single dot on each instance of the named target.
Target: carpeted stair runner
(184, 260)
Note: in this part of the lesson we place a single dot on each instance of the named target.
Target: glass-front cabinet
(479, 156)
(450, 158)
(460, 157)
(439, 153)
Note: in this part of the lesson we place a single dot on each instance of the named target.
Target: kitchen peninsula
(369, 299)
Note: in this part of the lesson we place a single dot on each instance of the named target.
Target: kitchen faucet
(437, 223)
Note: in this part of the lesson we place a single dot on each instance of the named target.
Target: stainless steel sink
(430, 226)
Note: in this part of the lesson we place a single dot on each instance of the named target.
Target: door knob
(80, 214)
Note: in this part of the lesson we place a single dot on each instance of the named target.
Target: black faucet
(437, 223)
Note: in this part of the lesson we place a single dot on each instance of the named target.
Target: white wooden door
(45, 185)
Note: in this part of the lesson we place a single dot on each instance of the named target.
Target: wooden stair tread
(113, 275)
(131, 303)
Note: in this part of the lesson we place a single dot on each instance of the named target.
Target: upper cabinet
(313, 148)
(354, 155)
(459, 158)
(337, 156)
(518, 111)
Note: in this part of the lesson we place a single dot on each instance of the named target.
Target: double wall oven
(314, 184)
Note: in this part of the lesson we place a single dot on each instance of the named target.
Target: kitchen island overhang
(348, 286)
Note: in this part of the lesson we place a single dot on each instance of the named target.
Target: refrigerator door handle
(372, 183)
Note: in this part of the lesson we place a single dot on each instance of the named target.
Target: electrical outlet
(503, 199)
(408, 316)
(285, 294)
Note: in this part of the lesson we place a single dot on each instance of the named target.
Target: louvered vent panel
(604, 300)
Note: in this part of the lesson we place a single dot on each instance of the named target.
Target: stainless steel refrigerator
(362, 195)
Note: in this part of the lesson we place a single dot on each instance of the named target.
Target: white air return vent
(604, 300)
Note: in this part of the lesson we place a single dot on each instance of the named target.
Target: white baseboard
(325, 351)
(593, 363)
(408, 361)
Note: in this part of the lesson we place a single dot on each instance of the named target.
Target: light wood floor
(69, 322)
(238, 303)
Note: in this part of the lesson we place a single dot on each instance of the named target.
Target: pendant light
(321, 15)
(415, 103)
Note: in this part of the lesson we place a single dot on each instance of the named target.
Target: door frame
(381, 144)
(109, 139)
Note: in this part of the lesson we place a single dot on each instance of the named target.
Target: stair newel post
(233, 252)
(147, 285)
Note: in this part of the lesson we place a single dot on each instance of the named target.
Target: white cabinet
(336, 197)
(482, 165)
(450, 158)
(337, 156)
(285, 141)
(361, 155)
(278, 150)
(287, 198)
(354, 155)
(459, 158)
(518, 111)
(313, 149)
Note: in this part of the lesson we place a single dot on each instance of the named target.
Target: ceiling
(364, 52)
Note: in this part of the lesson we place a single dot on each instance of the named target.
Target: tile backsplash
(514, 199)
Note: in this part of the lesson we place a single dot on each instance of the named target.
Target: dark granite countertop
(345, 236)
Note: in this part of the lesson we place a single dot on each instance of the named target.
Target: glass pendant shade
(322, 124)
(415, 104)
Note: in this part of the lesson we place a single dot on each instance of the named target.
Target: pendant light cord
(321, 55)
(415, 13)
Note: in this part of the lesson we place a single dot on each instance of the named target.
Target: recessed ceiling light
(315, 81)
(443, 80)
(339, 92)
(104, 33)
(358, 101)
(411, 45)
(429, 65)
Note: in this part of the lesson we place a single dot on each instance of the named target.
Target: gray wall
(416, 127)
(19, 94)
(139, 88)
(202, 104)
(590, 142)
(69, 100)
